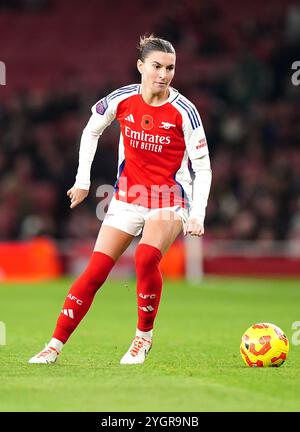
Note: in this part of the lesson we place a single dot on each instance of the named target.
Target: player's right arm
(102, 116)
(103, 113)
(198, 153)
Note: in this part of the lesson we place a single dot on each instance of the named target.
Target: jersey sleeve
(197, 150)
(103, 113)
(194, 135)
(201, 187)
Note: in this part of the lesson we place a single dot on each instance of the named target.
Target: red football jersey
(156, 143)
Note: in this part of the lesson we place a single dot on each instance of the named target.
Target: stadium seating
(62, 58)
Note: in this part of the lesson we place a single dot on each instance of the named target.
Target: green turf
(194, 364)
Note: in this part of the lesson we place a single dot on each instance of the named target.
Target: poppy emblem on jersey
(147, 122)
(101, 106)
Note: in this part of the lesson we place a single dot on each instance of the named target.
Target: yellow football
(264, 344)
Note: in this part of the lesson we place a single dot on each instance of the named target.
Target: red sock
(81, 295)
(149, 284)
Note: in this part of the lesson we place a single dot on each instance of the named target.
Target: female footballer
(155, 195)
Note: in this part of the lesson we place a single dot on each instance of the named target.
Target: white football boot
(138, 351)
(47, 355)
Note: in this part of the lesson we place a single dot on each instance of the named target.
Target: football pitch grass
(194, 365)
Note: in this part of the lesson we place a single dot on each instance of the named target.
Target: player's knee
(95, 277)
(98, 269)
(147, 257)
(143, 262)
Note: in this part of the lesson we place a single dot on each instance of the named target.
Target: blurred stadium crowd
(234, 65)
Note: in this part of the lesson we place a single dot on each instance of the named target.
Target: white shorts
(131, 217)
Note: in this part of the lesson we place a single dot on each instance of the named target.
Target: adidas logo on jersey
(130, 118)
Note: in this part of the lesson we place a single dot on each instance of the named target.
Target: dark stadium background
(234, 61)
(239, 63)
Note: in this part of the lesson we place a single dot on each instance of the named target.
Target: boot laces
(46, 351)
(138, 343)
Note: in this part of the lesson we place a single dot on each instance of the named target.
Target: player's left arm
(201, 189)
(198, 153)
